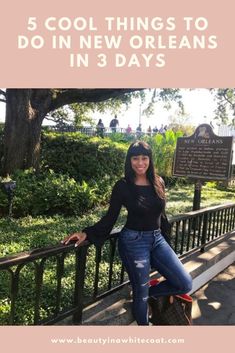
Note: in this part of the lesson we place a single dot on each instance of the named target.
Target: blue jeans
(142, 250)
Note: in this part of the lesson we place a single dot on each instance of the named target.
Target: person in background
(141, 244)
(100, 128)
(155, 130)
(149, 131)
(161, 130)
(139, 131)
(114, 123)
(128, 129)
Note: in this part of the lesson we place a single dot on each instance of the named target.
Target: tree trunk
(22, 132)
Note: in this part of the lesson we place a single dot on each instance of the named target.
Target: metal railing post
(204, 231)
(81, 254)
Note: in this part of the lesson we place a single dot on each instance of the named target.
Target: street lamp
(9, 187)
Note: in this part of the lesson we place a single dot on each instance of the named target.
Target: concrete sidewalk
(214, 303)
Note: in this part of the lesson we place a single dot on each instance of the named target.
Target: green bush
(121, 137)
(49, 193)
(83, 157)
(163, 147)
(85, 169)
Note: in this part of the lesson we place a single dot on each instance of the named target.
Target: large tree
(25, 111)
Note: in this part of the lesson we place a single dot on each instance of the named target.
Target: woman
(100, 128)
(141, 244)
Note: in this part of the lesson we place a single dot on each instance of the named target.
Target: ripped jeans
(142, 250)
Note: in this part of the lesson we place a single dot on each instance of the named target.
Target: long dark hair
(137, 148)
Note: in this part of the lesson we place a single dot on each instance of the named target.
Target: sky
(199, 105)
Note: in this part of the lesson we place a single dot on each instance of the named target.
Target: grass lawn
(180, 199)
(29, 233)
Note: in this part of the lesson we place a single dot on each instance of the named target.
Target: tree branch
(227, 99)
(69, 96)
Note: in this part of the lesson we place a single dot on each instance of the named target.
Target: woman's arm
(97, 233)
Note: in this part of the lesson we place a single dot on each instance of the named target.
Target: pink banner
(147, 43)
(115, 339)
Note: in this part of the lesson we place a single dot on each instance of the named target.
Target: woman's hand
(79, 237)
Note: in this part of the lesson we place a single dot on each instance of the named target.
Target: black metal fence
(94, 131)
(86, 274)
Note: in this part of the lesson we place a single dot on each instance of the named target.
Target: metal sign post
(197, 195)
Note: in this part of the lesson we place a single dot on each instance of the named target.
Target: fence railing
(64, 279)
(198, 228)
(94, 131)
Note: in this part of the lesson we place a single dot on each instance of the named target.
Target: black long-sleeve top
(142, 203)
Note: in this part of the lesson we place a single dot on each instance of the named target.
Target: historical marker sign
(203, 155)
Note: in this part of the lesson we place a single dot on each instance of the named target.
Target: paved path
(214, 303)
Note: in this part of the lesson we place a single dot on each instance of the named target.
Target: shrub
(83, 157)
(163, 147)
(85, 170)
(121, 137)
(50, 193)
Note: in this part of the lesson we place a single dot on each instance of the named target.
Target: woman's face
(140, 164)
